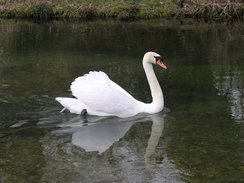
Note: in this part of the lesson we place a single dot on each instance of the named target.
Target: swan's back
(102, 96)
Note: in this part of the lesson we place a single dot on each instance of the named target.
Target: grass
(226, 9)
(121, 9)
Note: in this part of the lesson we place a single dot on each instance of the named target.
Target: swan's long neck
(156, 92)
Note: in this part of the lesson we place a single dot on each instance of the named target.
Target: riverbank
(122, 9)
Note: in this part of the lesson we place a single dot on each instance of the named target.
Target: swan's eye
(157, 58)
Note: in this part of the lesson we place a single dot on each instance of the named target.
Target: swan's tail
(71, 104)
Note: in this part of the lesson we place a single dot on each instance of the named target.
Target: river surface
(198, 137)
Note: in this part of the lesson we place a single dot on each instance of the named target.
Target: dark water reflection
(199, 140)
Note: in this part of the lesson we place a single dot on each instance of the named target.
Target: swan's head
(154, 58)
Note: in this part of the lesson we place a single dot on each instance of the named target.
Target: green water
(199, 137)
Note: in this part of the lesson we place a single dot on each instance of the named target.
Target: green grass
(119, 9)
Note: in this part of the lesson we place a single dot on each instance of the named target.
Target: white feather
(100, 96)
(71, 104)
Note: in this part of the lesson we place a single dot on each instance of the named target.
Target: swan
(97, 95)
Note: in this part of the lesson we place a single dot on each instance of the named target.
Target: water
(197, 138)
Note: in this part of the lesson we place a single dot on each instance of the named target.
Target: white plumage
(100, 96)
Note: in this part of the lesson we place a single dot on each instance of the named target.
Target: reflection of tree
(202, 138)
(230, 83)
(1, 59)
(1, 53)
(226, 56)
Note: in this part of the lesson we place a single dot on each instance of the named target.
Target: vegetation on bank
(122, 9)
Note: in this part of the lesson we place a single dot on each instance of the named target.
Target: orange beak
(160, 63)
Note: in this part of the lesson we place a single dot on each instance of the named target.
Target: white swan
(97, 95)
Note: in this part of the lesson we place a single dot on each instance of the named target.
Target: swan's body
(100, 96)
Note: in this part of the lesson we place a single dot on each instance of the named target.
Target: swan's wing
(102, 96)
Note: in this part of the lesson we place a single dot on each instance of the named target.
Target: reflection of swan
(157, 129)
(101, 136)
(100, 133)
(97, 95)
